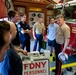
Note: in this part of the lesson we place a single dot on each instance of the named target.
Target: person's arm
(20, 50)
(67, 38)
(34, 33)
(66, 44)
(28, 30)
(47, 30)
(44, 30)
(44, 33)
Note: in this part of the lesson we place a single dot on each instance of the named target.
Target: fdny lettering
(36, 72)
(35, 65)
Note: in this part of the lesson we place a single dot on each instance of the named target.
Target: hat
(63, 56)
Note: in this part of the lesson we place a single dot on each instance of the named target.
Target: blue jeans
(39, 38)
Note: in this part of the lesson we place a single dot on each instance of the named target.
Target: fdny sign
(38, 67)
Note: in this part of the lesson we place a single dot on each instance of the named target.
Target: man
(4, 38)
(62, 41)
(38, 32)
(51, 35)
(12, 64)
(24, 31)
(14, 17)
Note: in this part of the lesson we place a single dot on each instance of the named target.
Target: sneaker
(53, 58)
(62, 73)
(54, 70)
(41, 53)
(50, 54)
(69, 69)
(75, 73)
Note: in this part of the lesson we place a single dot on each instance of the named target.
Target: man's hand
(34, 38)
(20, 50)
(63, 52)
(24, 52)
(27, 31)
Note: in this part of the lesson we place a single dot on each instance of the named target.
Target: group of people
(58, 39)
(10, 62)
(24, 31)
(14, 33)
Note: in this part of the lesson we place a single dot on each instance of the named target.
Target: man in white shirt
(51, 34)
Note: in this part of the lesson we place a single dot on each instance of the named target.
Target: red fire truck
(68, 9)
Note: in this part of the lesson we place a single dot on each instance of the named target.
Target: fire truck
(68, 9)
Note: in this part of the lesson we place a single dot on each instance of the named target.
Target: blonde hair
(59, 16)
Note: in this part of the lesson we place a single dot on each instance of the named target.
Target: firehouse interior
(42, 62)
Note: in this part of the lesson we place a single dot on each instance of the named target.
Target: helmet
(63, 56)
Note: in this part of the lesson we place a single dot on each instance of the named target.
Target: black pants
(58, 49)
(27, 44)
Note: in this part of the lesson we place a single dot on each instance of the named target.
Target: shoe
(69, 69)
(50, 54)
(54, 59)
(41, 53)
(54, 70)
(62, 73)
(75, 73)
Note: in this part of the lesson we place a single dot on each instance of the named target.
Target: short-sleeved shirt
(5, 66)
(62, 34)
(39, 28)
(25, 36)
(52, 29)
